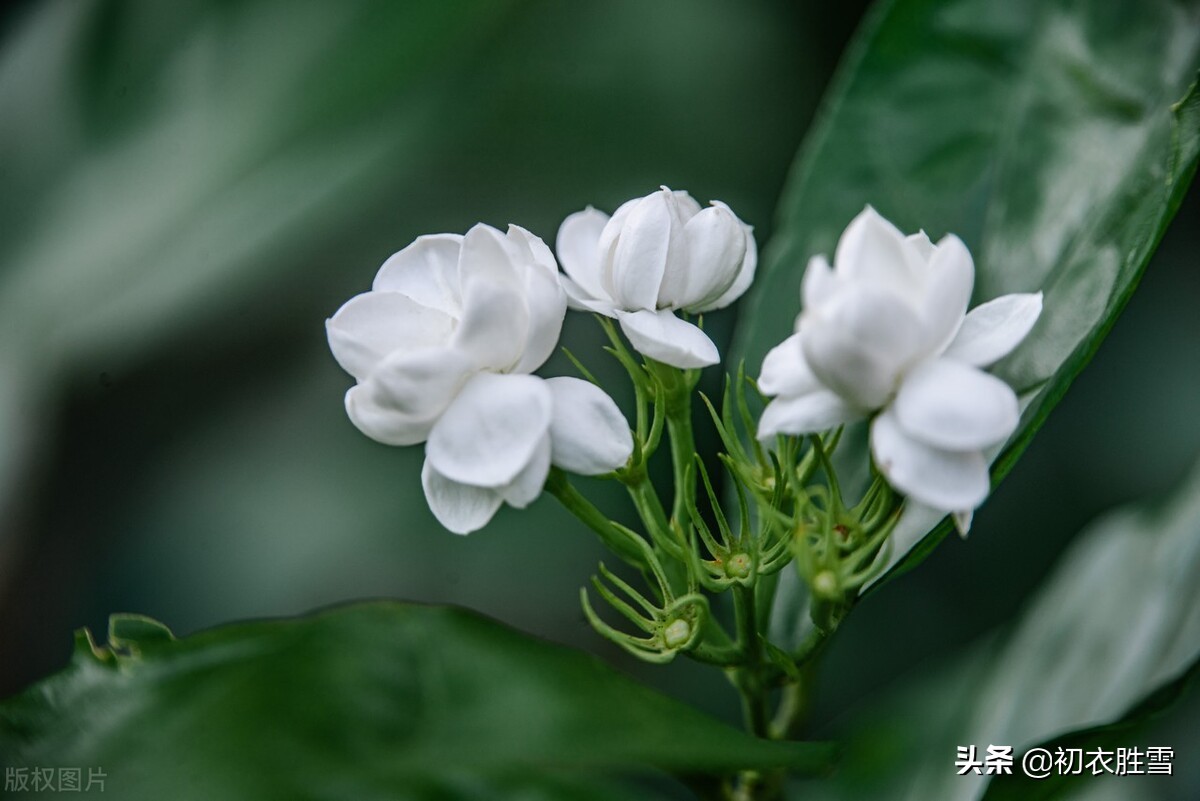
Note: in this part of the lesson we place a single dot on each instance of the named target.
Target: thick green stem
(747, 624)
(784, 725)
(794, 700)
(749, 678)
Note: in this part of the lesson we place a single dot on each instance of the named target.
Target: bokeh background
(188, 189)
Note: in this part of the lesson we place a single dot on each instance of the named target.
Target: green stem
(747, 624)
(794, 700)
(794, 703)
(722, 656)
(617, 541)
(811, 646)
(749, 678)
(649, 507)
(683, 451)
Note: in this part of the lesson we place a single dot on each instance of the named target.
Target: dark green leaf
(375, 700)
(1125, 732)
(1049, 134)
(1111, 641)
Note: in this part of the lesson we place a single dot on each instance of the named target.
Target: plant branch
(615, 538)
(683, 451)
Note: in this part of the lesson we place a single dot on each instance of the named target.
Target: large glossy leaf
(1055, 137)
(1128, 731)
(369, 701)
(1110, 641)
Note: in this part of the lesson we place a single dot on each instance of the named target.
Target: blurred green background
(190, 188)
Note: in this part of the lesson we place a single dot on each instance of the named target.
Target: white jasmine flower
(886, 330)
(657, 255)
(441, 348)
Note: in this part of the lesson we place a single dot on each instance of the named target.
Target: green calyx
(781, 503)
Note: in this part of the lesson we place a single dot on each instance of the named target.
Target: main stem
(748, 678)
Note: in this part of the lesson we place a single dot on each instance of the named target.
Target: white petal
(579, 300)
(495, 324)
(860, 342)
(421, 384)
(819, 282)
(677, 280)
(745, 276)
(370, 326)
(547, 307)
(955, 406)
(946, 480)
(489, 433)
(402, 399)
(489, 255)
(991, 330)
(676, 290)
(785, 371)
(666, 338)
(950, 276)
(426, 271)
(527, 486)
(873, 251)
(805, 414)
(639, 258)
(545, 299)
(962, 521)
(688, 206)
(716, 246)
(531, 250)
(588, 433)
(382, 421)
(610, 234)
(921, 244)
(461, 508)
(578, 247)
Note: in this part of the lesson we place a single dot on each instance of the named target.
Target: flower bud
(677, 633)
(825, 585)
(657, 255)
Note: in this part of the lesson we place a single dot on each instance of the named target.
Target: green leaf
(366, 701)
(1049, 134)
(1111, 641)
(1125, 732)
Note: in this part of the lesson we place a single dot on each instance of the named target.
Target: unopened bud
(738, 565)
(825, 584)
(677, 633)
